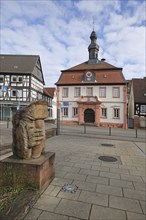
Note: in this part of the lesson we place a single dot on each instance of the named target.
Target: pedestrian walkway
(105, 190)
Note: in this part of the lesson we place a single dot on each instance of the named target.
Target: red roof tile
(139, 89)
(49, 91)
(105, 73)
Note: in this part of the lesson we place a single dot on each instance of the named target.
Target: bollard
(84, 128)
(58, 122)
(136, 132)
(8, 122)
(110, 131)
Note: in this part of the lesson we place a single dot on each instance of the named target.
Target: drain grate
(107, 158)
(107, 145)
(70, 188)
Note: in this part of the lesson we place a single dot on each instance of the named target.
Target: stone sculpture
(29, 130)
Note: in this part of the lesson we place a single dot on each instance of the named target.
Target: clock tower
(93, 49)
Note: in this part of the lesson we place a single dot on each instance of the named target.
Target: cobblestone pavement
(106, 190)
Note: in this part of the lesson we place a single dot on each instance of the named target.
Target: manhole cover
(107, 158)
(70, 188)
(107, 145)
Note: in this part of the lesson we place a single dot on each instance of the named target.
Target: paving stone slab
(140, 186)
(135, 194)
(74, 209)
(85, 185)
(119, 170)
(143, 205)
(124, 204)
(55, 191)
(47, 203)
(57, 181)
(109, 175)
(110, 190)
(98, 179)
(69, 169)
(89, 172)
(121, 183)
(94, 198)
(131, 178)
(72, 218)
(60, 173)
(33, 214)
(100, 168)
(49, 189)
(85, 166)
(104, 213)
(52, 216)
(68, 195)
(74, 176)
(135, 216)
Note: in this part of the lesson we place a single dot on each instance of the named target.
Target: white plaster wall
(109, 102)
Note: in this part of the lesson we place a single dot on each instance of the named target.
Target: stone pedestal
(33, 173)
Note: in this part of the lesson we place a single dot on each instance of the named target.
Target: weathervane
(93, 23)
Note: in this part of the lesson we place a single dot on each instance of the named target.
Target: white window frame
(116, 92)
(102, 92)
(104, 112)
(77, 91)
(75, 111)
(91, 90)
(65, 92)
(116, 113)
(65, 111)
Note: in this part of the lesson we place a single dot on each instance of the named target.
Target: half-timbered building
(137, 103)
(21, 82)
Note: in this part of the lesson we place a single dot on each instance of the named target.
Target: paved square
(109, 191)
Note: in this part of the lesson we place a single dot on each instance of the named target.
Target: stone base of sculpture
(32, 173)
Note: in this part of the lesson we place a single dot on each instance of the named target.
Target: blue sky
(59, 32)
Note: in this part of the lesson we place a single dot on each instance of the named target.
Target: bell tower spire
(93, 48)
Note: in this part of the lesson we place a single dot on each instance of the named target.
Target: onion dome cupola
(93, 49)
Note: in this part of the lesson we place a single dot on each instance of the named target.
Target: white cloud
(59, 32)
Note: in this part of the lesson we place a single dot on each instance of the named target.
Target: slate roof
(105, 73)
(19, 64)
(139, 89)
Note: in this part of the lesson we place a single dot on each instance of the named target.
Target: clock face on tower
(89, 76)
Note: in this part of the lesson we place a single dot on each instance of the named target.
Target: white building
(93, 92)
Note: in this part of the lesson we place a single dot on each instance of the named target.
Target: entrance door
(89, 116)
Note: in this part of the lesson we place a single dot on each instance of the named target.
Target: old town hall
(92, 92)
